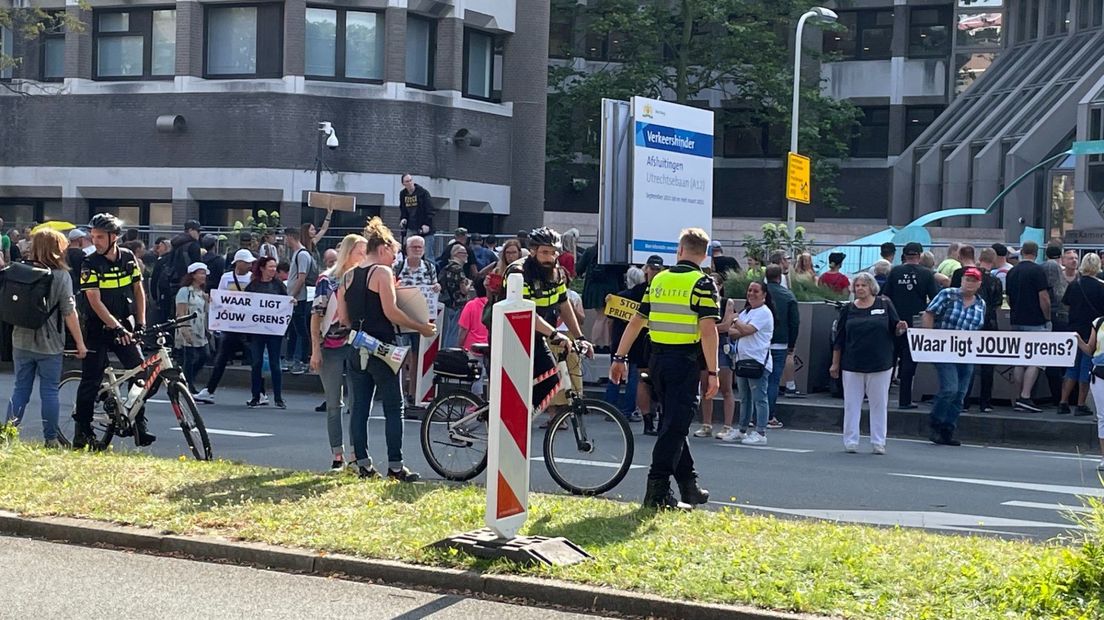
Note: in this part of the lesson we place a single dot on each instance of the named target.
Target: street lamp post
(822, 15)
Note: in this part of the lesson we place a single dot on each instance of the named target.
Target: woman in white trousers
(1095, 348)
(863, 353)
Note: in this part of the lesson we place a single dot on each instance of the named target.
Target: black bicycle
(588, 447)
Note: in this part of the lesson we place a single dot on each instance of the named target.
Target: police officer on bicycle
(112, 284)
(546, 285)
(681, 308)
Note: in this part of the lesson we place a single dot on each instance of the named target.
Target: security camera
(1021, 220)
(326, 127)
(332, 141)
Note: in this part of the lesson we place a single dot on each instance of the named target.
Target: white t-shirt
(756, 346)
(226, 282)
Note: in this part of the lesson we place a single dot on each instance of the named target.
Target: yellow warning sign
(798, 183)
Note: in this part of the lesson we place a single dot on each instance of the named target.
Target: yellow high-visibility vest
(671, 317)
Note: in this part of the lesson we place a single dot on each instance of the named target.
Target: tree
(30, 23)
(685, 51)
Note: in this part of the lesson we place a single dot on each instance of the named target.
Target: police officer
(681, 308)
(112, 285)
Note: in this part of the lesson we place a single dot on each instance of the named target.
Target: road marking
(1017, 503)
(894, 439)
(591, 463)
(934, 520)
(1053, 453)
(739, 445)
(1024, 486)
(215, 431)
(1086, 459)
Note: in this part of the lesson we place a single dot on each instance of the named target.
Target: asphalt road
(978, 489)
(47, 580)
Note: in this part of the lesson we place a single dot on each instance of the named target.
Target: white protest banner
(993, 348)
(249, 313)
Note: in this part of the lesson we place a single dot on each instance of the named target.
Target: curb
(545, 592)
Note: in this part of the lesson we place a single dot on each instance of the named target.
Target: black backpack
(25, 295)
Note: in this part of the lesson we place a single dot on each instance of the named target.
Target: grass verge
(721, 557)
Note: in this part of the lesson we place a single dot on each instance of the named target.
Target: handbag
(751, 369)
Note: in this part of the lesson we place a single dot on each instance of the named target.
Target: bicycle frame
(156, 364)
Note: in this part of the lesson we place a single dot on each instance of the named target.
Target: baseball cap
(655, 261)
(196, 266)
(715, 245)
(913, 248)
(244, 256)
(77, 233)
(972, 272)
(461, 231)
(477, 237)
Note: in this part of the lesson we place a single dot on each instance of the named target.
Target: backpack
(25, 295)
(312, 271)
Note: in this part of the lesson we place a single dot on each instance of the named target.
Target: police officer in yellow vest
(681, 309)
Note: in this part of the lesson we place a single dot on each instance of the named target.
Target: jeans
(753, 398)
(625, 403)
(907, 370)
(379, 376)
(778, 356)
(257, 346)
(194, 359)
(875, 386)
(675, 378)
(450, 329)
(333, 378)
(298, 334)
(954, 380)
(100, 343)
(229, 346)
(47, 367)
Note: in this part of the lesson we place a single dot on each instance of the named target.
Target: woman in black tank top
(366, 302)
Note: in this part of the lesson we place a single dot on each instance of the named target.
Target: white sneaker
(879, 449)
(724, 431)
(264, 399)
(205, 397)
(1100, 466)
(754, 439)
(705, 430)
(733, 435)
(850, 448)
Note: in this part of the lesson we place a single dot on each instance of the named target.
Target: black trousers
(675, 378)
(907, 371)
(230, 345)
(92, 370)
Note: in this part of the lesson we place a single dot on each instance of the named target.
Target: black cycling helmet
(544, 236)
(193, 225)
(105, 222)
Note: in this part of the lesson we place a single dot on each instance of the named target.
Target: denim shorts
(1081, 369)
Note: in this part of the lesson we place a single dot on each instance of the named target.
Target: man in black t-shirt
(1029, 300)
(721, 263)
(911, 287)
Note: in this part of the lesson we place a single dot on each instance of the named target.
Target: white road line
(1049, 453)
(215, 431)
(934, 520)
(591, 463)
(839, 435)
(1042, 506)
(1086, 459)
(1024, 486)
(738, 445)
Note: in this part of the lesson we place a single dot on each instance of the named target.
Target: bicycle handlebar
(162, 328)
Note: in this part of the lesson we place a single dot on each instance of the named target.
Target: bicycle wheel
(454, 435)
(103, 425)
(195, 433)
(588, 456)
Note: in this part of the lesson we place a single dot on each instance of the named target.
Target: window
(561, 32)
(344, 44)
(420, 50)
(1089, 13)
(929, 31)
(866, 35)
(139, 44)
(970, 67)
(1033, 9)
(979, 30)
(482, 65)
(244, 41)
(1095, 182)
(752, 139)
(52, 65)
(917, 119)
(872, 139)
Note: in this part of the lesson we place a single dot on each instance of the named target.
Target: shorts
(725, 351)
(1081, 369)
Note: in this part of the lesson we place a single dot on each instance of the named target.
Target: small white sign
(249, 313)
(1056, 349)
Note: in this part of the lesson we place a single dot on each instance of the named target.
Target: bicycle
(113, 415)
(455, 430)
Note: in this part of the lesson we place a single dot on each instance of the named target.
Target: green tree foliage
(686, 50)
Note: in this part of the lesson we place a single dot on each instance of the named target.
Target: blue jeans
(625, 403)
(194, 360)
(257, 346)
(1082, 368)
(753, 399)
(954, 381)
(450, 329)
(48, 368)
(365, 383)
(778, 356)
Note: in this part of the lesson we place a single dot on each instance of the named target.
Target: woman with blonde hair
(803, 269)
(328, 336)
(39, 352)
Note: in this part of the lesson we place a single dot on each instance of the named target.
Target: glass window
(115, 22)
(745, 141)
(119, 56)
(363, 46)
(478, 63)
(977, 4)
(872, 139)
(231, 40)
(970, 67)
(864, 35)
(979, 30)
(1033, 10)
(124, 41)
(841, 38)
(561, 33)
(929, 31)
(321, 41)
(163, 53)
(53, 58)
(918, 119)
(419, 51)
(160, 214)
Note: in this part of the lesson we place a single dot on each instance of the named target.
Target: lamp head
(824, 14)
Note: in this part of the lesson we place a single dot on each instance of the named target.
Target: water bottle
(134, 393)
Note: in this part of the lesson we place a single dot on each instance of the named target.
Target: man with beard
(546, 286)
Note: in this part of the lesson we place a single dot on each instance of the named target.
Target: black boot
(659, 497)
(693, 494)
(141, 435)
(83, 437)
(649, 424)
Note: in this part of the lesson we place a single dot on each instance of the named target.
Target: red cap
(972, 272)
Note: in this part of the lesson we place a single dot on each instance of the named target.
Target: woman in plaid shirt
(954, 309)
